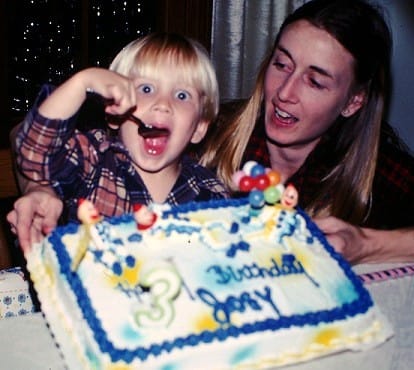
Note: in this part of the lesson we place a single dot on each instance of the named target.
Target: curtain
(242, 32)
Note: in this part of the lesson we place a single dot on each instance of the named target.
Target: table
(25, 342)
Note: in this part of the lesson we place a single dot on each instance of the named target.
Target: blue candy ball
(256, 199)
(257, 170)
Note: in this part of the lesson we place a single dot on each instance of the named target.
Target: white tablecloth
(25, 342)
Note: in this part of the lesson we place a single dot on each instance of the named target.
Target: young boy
(165, 80)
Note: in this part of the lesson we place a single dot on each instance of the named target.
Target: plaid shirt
(392, 203)
(93, 166)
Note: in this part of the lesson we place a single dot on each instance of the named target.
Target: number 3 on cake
(164, 283)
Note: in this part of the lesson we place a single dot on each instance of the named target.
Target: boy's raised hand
(66, 99)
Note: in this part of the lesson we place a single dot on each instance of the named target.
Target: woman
(318, 105)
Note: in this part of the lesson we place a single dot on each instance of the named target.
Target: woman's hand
(364, 245)
(347, 239)
(34, 215)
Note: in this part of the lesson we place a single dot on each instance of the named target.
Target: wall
(401, 19)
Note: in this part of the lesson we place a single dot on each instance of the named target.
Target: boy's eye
(183, 95)
(146, 89)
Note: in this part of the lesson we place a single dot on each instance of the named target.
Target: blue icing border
(343, 264)
(361, 304)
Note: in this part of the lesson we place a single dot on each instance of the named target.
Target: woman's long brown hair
(361, 29)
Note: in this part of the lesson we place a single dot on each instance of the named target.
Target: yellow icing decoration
(326, 336)
(50, 273)
(269, 226)
(118, 367)
(205, 322)
(82, 247)
(129, 276)
(303, 258)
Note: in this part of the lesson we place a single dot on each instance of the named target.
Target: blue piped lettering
(223, 310)
(288, 266)
(267, 297)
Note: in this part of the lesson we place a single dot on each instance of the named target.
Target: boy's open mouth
(149, 131)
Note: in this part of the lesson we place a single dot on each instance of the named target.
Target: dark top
(393, 188)
(95, 166)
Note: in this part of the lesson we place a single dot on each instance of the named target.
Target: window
(49, 40)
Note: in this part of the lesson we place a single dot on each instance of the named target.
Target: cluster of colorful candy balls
(264, 186)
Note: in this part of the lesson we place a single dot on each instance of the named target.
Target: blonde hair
(361, 29)
(224, 149)
(144, 56)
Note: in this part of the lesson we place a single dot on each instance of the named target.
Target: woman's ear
(200, 131)
(354, 104)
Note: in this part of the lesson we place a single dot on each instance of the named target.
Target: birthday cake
(213, 285)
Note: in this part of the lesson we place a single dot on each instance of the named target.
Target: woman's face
(307, 86)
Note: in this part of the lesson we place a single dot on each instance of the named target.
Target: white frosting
(217, 272)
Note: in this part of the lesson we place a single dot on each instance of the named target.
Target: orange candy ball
(274, 177)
